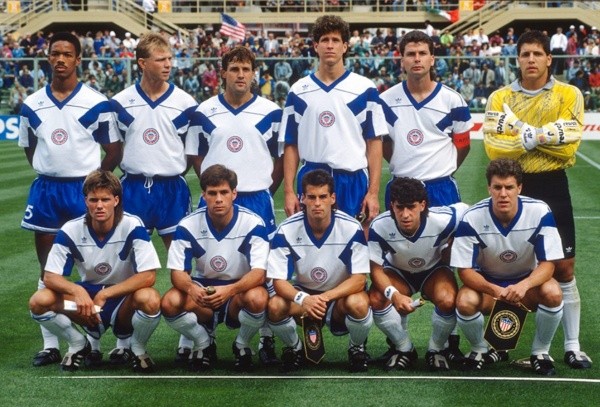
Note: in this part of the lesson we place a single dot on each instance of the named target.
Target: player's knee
(467, 301)
(550, 294)
(40, 302)
(277, 309)
(446, 303)
(147, 300)
(564, 270)
(255, 299)
(357, 305)
(171, 303)
(377, 300)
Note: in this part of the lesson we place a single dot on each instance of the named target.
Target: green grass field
(327, 384)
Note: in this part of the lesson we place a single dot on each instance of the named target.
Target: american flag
(232, 28)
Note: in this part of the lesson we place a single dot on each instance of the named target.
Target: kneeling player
(230, 247)
(325, 250)
(116, 262)
(408, 246)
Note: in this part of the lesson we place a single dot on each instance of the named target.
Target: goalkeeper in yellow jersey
(537, 120)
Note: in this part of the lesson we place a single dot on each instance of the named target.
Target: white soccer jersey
(153, 131)
(318, 264)
(423, 250)
(243, 139)
(482, 243)
(227, 255)
(422, 131)
(331, 124)
(125, 251)
(67, 135)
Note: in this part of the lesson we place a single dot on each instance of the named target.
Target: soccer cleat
(93, 359)
(72, 361)
(388, 353)
(199, 361)
(211, 352)
(436, 361)
(266, 351)
(143, 363)
(473, 361)
(358, 358)
(542, 364)
(243, 359)
(493, 356)
(46, 357)
(578, 360)
(182, 356)
(452, 352)
(402, 360)
(120, 356)
(291, 359)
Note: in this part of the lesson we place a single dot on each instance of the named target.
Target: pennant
(505, 325)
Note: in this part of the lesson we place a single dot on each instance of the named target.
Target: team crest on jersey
(59, 136)
(151, 136)
(414, 137)
(508, 256)
(416, 262)
(103, 269)
(235, 144)
(218, 264)
(318, 274)
(326, 119)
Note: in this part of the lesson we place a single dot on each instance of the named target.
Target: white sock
(359, 328)
(389, 321)
(187, 324)
(185, 342)
(265, 330)
(94, 343)
(50, 340)
(472, 327)
(61, 326)
(442, 326)
(124, 343)
(286, 331)
(143, 326)
(249, 325)
(546, 323)
(571, 315)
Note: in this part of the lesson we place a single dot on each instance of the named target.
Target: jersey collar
(327, 88)
(223, 233)
(154, 103)
(233, 110)
(58, 103)
(419, 105)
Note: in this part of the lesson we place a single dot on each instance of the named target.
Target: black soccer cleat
(472, 362)
(93, 359)
(358, 358)
(402, 360)
(578, 360)
(143, 364)
(266, 351)
(120, 356)
(542, 364)
(436, 361)
(182, 356)
(46, 357)
(73, 361)
(199, 361)
(453, 353)
(291, 359)
(243, 359)
(494, 356)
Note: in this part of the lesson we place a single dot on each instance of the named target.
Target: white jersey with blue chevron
(243, 139)
(318, 264)
(422, 131)
(125, 251)
(154, 132)
(219, 255)
(330, 124)
(420, 252)
(67, 134)
(481, 242)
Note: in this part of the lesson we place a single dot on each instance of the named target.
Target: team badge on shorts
(505, 325)
(103, 269)
(508, 256)
(235, 144)
(326, 119)
(218, 264)
(318, 274)
(416, 262)
(59, 136)
(414, 137)
(151, 136)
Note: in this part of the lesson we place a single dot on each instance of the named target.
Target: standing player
(153, 116)
(62, 128)
(325, 251)
(333, 120)
(429, 127)
(409, 253)
(230, 247)
(116, 261)
(537, 120)
(239, 130)
(504, 249)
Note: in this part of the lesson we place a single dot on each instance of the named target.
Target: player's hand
(402, 303)
(560, 132)
(505, 122)
(222, 294)
(514, 293)
(370, 207)
(197, 294)
(315, 306)
(291, 203)
(85, 304)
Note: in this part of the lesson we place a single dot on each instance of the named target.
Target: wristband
(299, 298)
(389, 292)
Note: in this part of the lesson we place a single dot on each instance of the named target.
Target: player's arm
(314, 305)
(354, 284)
(291, 159)
(276, 175)
(370, 204)
(74, 292)
(129, 286)
(387, 147)
(516, 292)
(195, 161)
(182, 281)
(474, 280)
(254, 278)
(497, 142)
(383, 284)
(462, 142)
(113, 156)
(29, 152)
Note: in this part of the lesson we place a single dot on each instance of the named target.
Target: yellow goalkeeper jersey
(556, 100)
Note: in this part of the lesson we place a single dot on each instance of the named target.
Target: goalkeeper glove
(554, 134)
(502, 122)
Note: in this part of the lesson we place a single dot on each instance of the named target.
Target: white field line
(588, 160)
(416, 378)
